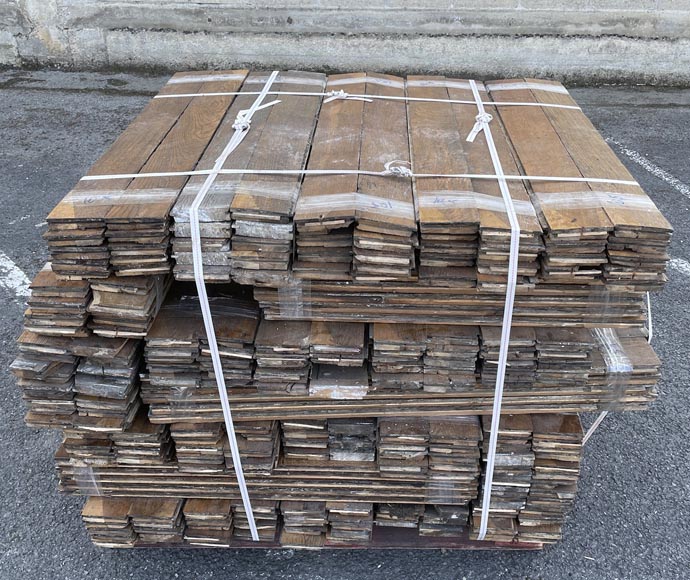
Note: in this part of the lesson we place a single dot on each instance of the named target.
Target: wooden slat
(437, 146)
(336, 145)
(283, 144)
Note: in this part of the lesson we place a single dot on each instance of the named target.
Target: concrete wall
(575, 40)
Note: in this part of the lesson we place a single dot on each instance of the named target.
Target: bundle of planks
(362, 226)
(342, 232)
(539, 461)
(356, 246)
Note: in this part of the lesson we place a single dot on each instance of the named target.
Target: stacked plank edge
(357, 315)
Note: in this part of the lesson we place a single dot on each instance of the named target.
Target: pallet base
(383, 538)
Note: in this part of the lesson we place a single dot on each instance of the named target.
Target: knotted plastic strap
(243, 121)
(481, 122)
(397, 168)
(511, 285)
(242, 125)
(342, 95)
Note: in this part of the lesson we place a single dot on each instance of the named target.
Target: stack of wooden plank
(590, 228)
(126, 306)
(158, 521)
(352, 439)
(557, 447)
(88, 449)
(199, 447)
(357, 226)
(265, 518)
(336, 382)
(397, 353)
(209, 522)
(143, 443)
(46, 372)
(253, 210)
(122, 225)
(259, 444)
(362, 226)
(444, 521)
(403, 447)
(452, 377)
(454, 460)
(521, 367)
(305, 439)
(527, 510)
(512, 475)
(46, 378)
(338, 344)
(304, 518)
(450, 359)
(462, 222)
(398, 515)
(357, 308)
(545, 305)
(177, 355)
(107, 389)
(179, 392)
(350, 522)
(108, 523)
(57, 307)
(634, 361)
(564, 356)
(214, 214)
(282, 356)
(263, 206)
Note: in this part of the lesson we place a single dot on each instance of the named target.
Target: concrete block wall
(574, 40)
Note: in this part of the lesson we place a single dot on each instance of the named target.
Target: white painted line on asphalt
(20, 219)
(680, 265)
(652, 168)
(13, 278)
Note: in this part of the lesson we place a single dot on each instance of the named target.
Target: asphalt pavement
(631, 518)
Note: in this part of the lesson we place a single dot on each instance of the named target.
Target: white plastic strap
(511, 285)
(241, 126)
(375, 97)
(650, 328)
(482, 120)
(389, 170)
(342, 95)
(598, 421)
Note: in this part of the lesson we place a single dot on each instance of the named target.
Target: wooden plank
(448, 223)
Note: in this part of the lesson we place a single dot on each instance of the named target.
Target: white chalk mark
(680, 265)
(13, 278)
(41, 225)
(652, 168)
